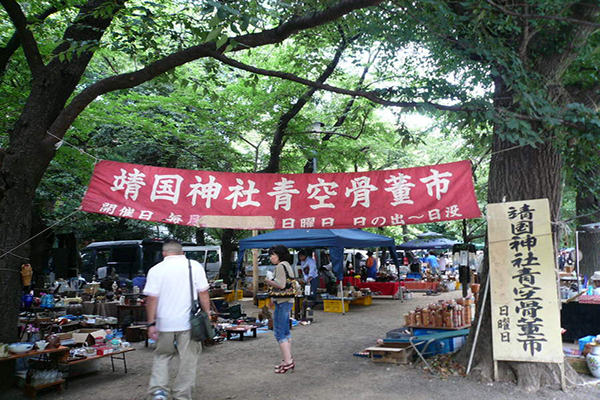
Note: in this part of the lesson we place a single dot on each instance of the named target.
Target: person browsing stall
(309, 271)
(371, 266)
(432, 260)
(168, 308)
(280, 256)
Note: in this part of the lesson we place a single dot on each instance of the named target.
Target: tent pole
(342, 297)
(254, 269)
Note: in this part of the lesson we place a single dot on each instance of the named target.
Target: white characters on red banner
(108, 208)
(452, 211)
(361, 189)
(397, 219)
(194, 220)
(207, 191)
(378, 221)
(174, 219)
(360, 221)
(307, 222)
(327, 222)
(288, 223)
(130, 182)
(435, 215)
(435, 183)
(126, 212)
(283, 191)
(239, 191)
(314, 190)
(166, 187)
(146, 215)
(400, 188)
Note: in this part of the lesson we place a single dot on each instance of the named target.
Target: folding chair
(426, 340)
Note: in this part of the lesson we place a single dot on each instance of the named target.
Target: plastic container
(585, 340)
(335, 306)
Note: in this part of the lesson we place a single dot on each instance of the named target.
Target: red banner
(283, 201)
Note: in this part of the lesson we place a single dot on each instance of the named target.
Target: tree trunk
(200, 240)
(227, 271)
(589, 243)
(519, 174)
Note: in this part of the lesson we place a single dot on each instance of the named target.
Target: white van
(208, 256)
(128, 257)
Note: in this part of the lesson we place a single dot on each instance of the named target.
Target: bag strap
(194, 304)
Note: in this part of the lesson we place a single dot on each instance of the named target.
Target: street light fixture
(315, 130)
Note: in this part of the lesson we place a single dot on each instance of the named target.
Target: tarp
(427, 243)
(213, 199)
(333, 239)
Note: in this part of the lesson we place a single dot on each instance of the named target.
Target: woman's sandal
(283, 368)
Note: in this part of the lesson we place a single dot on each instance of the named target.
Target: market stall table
(133, 310)
(382, 288)
(351, 280)
(31, 390)
(420, 285)
(111, 355)
(240, 330)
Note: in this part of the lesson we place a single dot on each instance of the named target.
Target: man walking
(168, 308)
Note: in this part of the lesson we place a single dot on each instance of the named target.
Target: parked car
(130, 257)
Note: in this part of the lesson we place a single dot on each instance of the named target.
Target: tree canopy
(236, 86)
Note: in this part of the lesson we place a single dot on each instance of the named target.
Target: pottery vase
(593, 361)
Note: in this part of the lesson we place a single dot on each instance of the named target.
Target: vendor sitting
(596, 282)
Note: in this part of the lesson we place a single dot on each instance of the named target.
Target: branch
(30, 47)
(13, 44)
(285, 119)
(539, 16)
(342, 118)
(374, 98)
(129, 80)
(367, 95)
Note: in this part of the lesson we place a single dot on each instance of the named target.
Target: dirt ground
(326, 367)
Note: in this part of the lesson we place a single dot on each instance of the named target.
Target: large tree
(55, 98)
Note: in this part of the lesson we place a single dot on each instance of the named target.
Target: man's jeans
(168, 345)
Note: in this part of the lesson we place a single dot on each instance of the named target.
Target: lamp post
(315, 130)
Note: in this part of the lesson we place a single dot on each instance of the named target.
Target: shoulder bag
(202, 328)
(292, 287)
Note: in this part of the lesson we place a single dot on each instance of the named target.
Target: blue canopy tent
(333, 239)
(427, 244)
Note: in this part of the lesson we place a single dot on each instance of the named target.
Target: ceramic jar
(593, 360)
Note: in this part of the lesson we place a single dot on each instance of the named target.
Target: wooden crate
(231, 296)
(335, 306)
(363, 301)
(391, 353)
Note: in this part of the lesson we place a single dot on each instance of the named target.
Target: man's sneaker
(159, 395)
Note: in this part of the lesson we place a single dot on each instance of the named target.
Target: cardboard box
(391, 353)
(579, 364)
(88, 335)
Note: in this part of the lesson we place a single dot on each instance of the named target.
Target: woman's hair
(281, 251)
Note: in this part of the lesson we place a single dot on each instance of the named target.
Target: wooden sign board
(525, 308)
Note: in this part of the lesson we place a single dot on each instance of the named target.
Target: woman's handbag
(292, 287)
(202, 329)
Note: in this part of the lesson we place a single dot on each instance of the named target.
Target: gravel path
(326, 367)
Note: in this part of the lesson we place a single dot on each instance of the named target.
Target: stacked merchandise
(450, 314)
